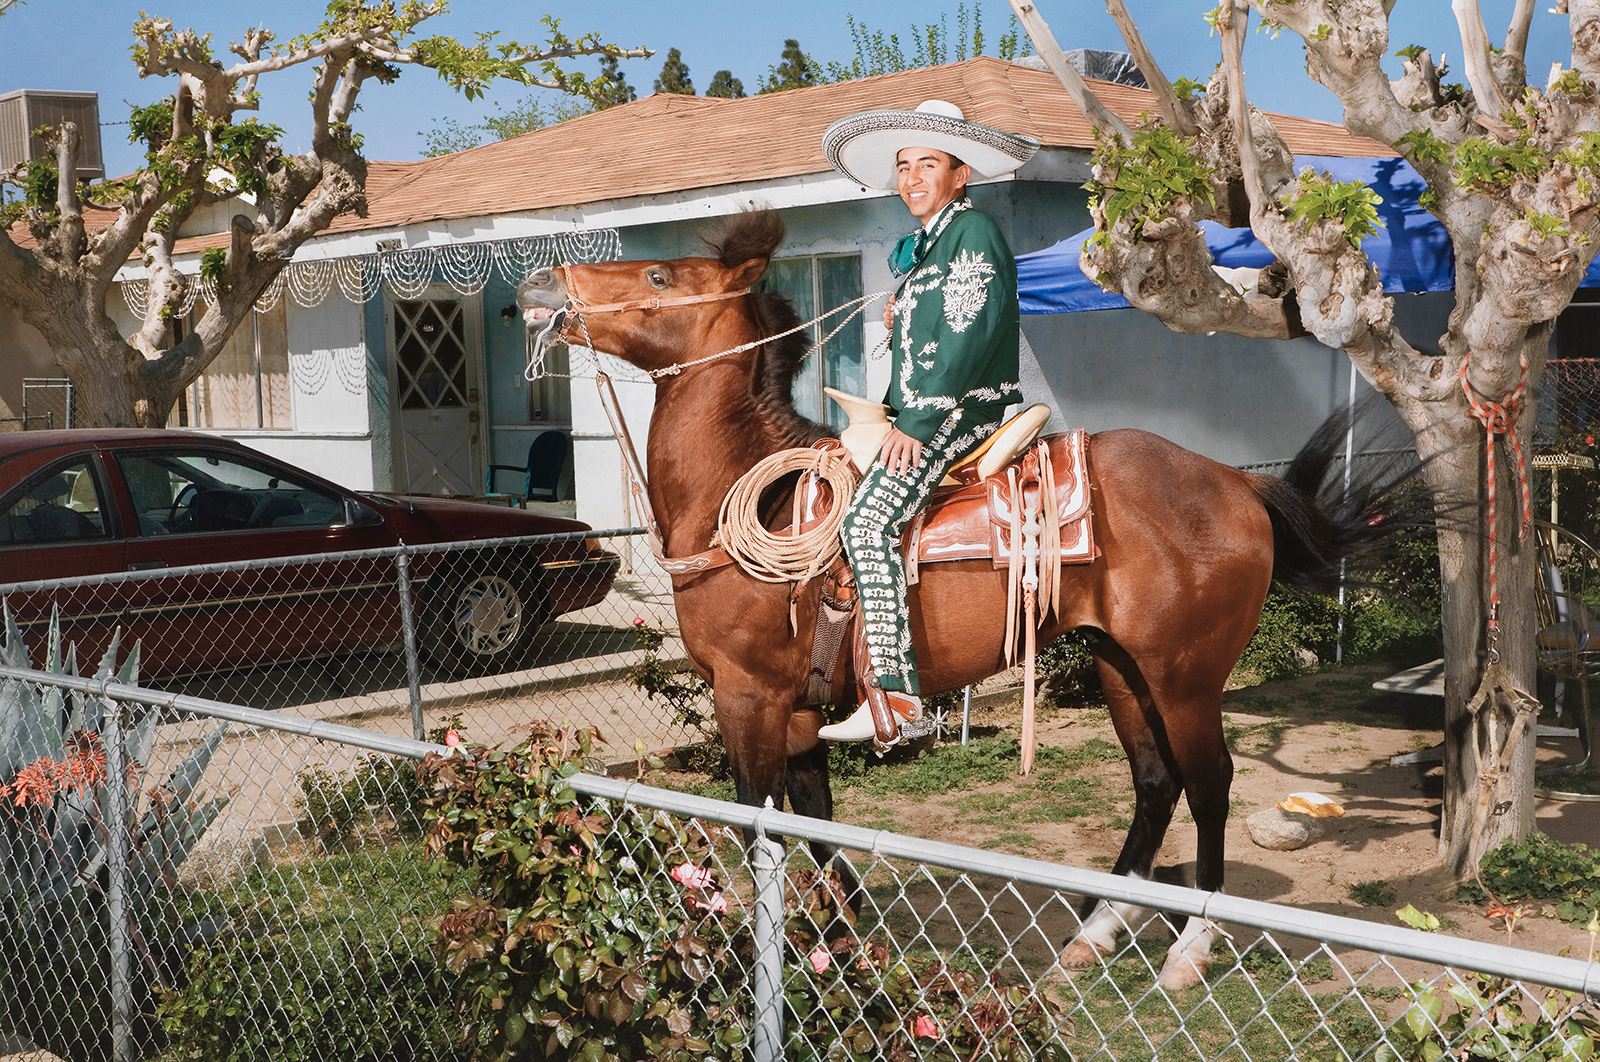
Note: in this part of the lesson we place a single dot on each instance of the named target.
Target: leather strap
(654, 303)
(884, 722)
(683, 569)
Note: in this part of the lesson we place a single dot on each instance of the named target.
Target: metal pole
(1349, 449)
(966, 713)
(766, 860)
(116, 825)
(408, 631)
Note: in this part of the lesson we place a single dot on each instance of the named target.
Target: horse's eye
(657, 278)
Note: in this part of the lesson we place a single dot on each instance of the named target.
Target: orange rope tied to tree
(1492, 752)
(1500, 418)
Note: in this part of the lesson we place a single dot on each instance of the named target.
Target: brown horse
(1189, 549)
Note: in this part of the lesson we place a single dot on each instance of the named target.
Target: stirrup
(859, 727)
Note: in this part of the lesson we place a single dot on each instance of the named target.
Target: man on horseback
(953, 326)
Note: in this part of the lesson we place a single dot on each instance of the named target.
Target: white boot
(858, 727)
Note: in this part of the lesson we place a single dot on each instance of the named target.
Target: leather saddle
(972, 517)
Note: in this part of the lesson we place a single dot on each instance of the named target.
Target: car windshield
(176, 492)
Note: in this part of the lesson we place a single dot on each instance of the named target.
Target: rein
(576, 307)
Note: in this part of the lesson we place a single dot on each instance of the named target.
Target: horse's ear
(747, 273)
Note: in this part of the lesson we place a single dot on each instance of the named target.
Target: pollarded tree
(201, 152)
(1513, 173)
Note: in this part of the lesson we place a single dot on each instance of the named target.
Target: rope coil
(786, 558)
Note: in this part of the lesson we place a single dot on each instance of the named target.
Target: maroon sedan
(75, 503)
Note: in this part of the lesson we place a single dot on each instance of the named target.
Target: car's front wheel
(482, 620)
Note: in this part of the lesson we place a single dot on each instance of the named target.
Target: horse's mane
(756, 234)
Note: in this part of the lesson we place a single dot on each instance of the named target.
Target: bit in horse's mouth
(537, 313)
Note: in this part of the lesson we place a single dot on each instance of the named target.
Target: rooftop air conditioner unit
(25, 110)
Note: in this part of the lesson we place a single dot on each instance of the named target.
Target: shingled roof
(670, 143)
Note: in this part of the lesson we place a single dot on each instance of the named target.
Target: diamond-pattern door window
(431, 349)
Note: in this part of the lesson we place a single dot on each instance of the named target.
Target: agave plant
(54, 832)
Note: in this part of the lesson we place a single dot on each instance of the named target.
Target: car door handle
(145, 566)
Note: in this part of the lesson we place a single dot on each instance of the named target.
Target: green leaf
(1416, 919)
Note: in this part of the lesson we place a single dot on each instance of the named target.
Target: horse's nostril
(541, 278)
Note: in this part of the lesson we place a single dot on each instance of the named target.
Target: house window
(247, 384)
(816, 283)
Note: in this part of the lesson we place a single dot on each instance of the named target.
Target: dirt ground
(1329, 733)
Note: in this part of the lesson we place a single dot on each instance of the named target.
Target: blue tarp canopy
(1411, 249)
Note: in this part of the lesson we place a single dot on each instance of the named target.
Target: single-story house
(389, 356)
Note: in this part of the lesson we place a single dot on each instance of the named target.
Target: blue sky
(83, 45)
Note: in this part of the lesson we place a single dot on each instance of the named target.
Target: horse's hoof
(1080, 954)
(1183, 972)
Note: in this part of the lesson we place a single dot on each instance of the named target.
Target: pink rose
(925, 1028)
(820, 959)
(692, 877)
(717, 905)
(452, 738)
(638, 621)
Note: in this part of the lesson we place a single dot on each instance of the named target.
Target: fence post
(116, 821)
(766, 861)
(408, 631)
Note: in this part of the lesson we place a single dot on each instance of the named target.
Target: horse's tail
(1324, 529)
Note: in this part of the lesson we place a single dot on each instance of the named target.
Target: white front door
(436, 354)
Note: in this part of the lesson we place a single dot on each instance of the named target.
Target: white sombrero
(863, 146)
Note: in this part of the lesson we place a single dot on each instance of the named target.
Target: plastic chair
(547, 459)
(1568, 604)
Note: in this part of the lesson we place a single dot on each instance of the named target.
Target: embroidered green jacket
(955, 325)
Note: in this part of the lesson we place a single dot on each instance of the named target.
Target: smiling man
(953, 327)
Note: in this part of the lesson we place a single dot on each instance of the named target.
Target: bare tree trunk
(1453, 445)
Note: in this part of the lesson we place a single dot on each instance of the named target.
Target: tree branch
(1480, 70)
(1583, 16)
(1172, 108)
(1239, 109)
(1044, 42)
(1517, 34)
(69, 234)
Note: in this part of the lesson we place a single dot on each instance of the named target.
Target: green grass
(376, 893)
(1252, 737)
(1372, 894)
(1226, 1020)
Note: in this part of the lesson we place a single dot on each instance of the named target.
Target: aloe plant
(54, 829)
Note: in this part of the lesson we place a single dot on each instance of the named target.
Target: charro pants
(883, 507)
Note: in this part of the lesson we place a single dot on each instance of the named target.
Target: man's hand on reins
(900, 453)
(888, 314)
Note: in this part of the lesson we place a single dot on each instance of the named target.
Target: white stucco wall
(599, 485)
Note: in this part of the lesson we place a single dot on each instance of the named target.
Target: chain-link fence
(46, 403)
(494, 632)
(262, 886)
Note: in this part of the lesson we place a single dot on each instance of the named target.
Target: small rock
(223, 856)
(1283, 831)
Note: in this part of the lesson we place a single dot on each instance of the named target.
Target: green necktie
(908, 252)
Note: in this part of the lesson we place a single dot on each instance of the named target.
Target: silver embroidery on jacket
(966, 289)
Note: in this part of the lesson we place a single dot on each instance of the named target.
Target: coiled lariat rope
(797, 557)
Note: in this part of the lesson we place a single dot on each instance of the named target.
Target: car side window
(178, 493)
(61, 505)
